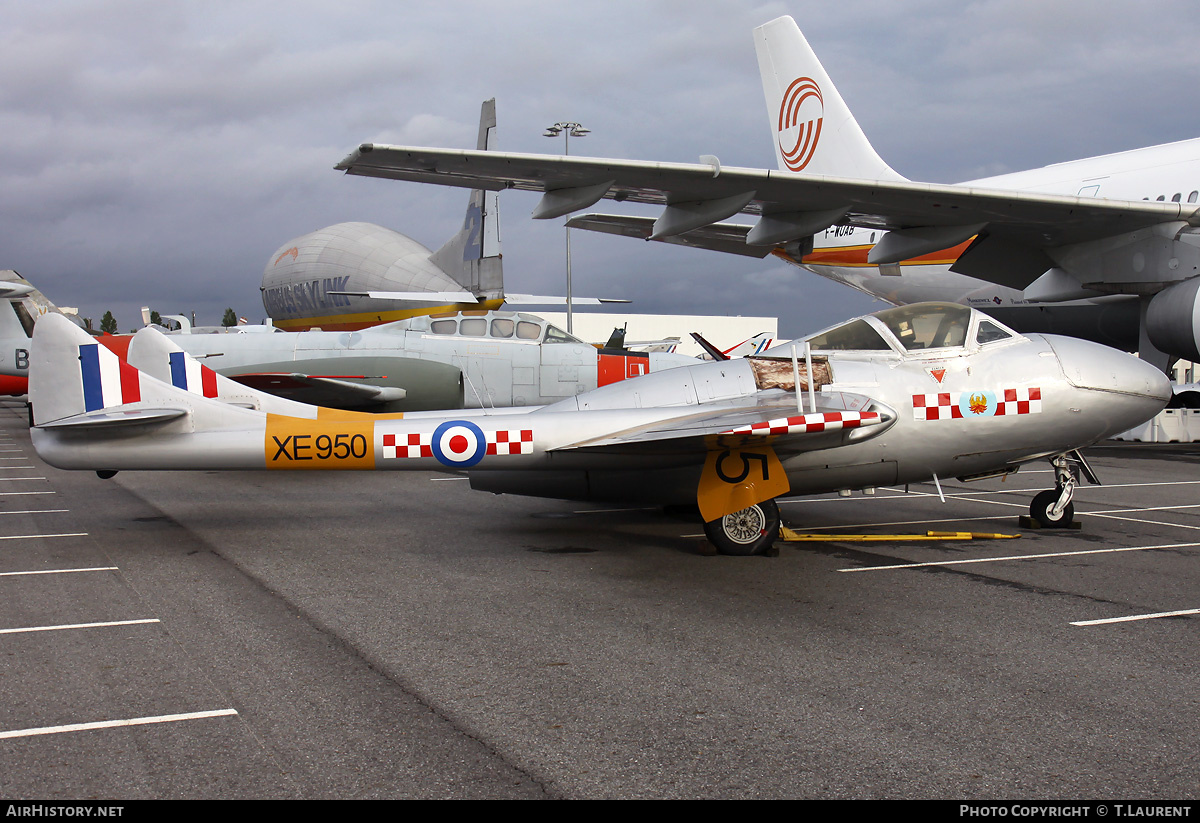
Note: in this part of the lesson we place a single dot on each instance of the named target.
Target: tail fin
(90, 409)
(814, 131)
(754, 345)
(472, 257)
(153, 353)
(72, 375)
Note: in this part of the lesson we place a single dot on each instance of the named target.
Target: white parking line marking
(609, 511)
(966, 495)
(1142, 520)
(1134, 617)
(1090, 488)
(60, 571)
(1102, 513)
(112, 724)
(79, 626)
(37, 511)
(1019, 557)
(30, 536)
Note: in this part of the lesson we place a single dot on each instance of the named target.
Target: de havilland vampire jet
(1105, 248)
(905, 395)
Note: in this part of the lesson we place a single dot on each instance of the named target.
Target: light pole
(567, 130)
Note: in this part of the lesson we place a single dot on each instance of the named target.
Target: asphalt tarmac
(392, 635)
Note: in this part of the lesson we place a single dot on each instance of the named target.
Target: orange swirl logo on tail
(802, 95)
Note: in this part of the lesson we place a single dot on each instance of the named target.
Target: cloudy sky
(158, 152)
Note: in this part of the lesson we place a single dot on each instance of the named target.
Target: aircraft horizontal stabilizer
(119, 416)
(10, 290)
(467, 297)
(550, 300)
(426, 296)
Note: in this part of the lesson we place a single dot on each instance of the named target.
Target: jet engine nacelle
(1173, 319)
(1138, 262)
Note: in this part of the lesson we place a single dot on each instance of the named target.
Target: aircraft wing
(726, 237)
(320, 391)
(791, 205)
(780, 426)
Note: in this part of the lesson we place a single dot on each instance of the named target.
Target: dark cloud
(157, 153)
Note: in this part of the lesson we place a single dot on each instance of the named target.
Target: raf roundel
(458, 443)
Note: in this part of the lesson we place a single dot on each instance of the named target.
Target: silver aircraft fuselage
(901, 396)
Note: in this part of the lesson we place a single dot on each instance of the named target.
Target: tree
(155, 319)
(230, 319)
(108, 323)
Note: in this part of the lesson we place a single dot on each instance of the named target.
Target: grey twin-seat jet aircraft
(905, 395)
(467, 360)
(464, 360)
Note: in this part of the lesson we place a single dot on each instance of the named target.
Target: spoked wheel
(1039, 510)
(750, 531)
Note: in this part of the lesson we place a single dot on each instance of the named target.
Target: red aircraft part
(613, 368)
(11, 386)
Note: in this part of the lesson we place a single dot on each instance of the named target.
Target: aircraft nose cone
(1136, 390)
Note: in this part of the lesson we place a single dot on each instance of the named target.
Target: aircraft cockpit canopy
(924, 326)
(914, 329)
(503, 325)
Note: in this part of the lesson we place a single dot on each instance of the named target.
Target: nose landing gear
(1054, 509)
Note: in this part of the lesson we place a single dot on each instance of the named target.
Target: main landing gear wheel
(1042, 510)
(750, 531)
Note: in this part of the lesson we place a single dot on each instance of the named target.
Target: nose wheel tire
(1040, 510)
(750, 531)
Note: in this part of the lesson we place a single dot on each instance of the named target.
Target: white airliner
(1103, 248)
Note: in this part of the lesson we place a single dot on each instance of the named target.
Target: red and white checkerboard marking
(1020, 401)
(407, 445)
(510, 442)
(948, 405)
(808, 423)
(420, 444)
(940, 406)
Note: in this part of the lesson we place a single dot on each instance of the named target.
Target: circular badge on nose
(980, 403)
(458, 443)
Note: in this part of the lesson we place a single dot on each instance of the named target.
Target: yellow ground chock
(790, 536)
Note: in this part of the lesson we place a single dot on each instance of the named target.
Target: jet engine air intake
(1173, 319)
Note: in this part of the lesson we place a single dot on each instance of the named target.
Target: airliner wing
(726, 237)
(697, 195)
